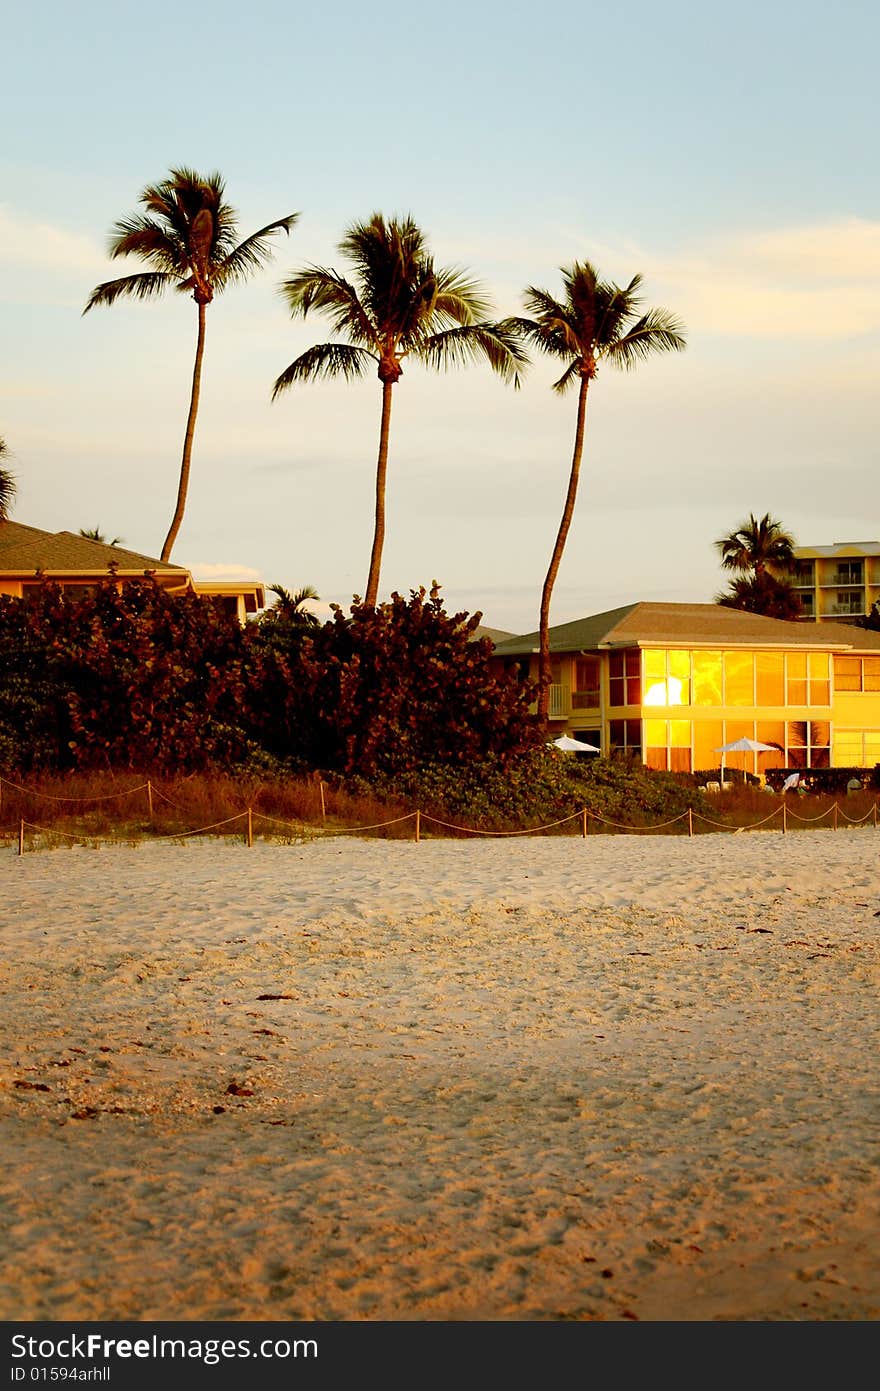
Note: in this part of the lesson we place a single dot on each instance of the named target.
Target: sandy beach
(518, 1079)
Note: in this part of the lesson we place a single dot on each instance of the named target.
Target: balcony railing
(850, 610)
(560, 702)
(585, 700)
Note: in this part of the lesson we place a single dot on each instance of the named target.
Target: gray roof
(691, 625)
(24, 549)
(838, 548)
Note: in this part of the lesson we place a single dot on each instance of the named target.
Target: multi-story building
(670, 684)
(839, 582)
(28, 556)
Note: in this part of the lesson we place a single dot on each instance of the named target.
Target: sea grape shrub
(384, 689)
(120, 676)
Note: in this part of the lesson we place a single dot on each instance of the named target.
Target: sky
(727, 154)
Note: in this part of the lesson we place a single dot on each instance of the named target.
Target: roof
(24, 549)
(690, 625)
(494, 634)
(839, 549)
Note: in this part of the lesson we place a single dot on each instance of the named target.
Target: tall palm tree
(756, 546)
(400, 305)
(188, 236)
(595, 321)
(7, 484)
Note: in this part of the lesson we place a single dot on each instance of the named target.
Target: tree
(283, 625)
(400, 305)
(756, 546)
(7, 484)
(188, 237)
(96, 534)
(595, 321)
(762, 593)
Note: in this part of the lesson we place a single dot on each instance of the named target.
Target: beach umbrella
(744, 745)
(569, 745)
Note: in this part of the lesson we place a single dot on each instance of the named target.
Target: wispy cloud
(815, 283)
(221, 570)
(25, 241)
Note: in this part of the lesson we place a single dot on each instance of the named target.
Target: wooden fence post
(21, 838)
(323, 806)
(418, 825)
(250, 828)
(784, 818)
(150, 797)
(874, 809)
(585, 824)
(835, 816)
(690, 821)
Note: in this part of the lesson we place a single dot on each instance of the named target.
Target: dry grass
(95, 808)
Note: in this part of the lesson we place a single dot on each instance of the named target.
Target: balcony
(844, 579)
(852, 610)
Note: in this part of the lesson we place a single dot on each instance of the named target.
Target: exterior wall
(673, 708)
(840, 587)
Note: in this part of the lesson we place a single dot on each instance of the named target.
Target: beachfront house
(669, 684)
(837, 583)
(28, 556)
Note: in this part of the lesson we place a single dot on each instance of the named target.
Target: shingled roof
(691, 625)
(26, 549)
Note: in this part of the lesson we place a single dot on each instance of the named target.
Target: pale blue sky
(727, 153)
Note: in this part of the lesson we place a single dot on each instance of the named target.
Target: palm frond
(657, 331)
(550, 341)
(458, 298)
(7, 491)
(146, 285)
(325, 360)
(498, 344)
(254, 252)
(568, 378)
(316, 287)
(149, 240)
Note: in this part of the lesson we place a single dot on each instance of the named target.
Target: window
(739, 678)
(818, 678)
(624, 685)
(809, 743)
(667, 677)
(769, 678)
(707, 678)
(585, 695)
(848, 572)
(796, 678)
(626, 738)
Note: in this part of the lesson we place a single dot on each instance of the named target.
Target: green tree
(96, 534)
(762, 593)
(398, 306)
(188, 235)
(756, 547)
(7, 484)
(594, 321)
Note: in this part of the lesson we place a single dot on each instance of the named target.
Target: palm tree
(7, 484)
(757, 546)
(762, 593)
(290, 608)
(594, 321)
(96, 534)
(400, 305)
(188, 236)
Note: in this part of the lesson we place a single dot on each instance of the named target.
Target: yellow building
(28, 556)
(839, 582)
(670, 684)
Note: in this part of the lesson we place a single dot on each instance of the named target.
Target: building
(837, 583)
(28, 556)
(669, 684)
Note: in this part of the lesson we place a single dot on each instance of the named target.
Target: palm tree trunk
(381, 470)
(555, 559)
(183, 485)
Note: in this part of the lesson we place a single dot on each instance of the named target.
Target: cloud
(41, 246)
(814, 283)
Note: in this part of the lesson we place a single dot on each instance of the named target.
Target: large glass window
(624, 684)
(769, 678)
(796, 678)
(708, 738)
(667, 677)
(809, 743)
(739, 678)
(707, 678)
(857, 673)
(819, 685)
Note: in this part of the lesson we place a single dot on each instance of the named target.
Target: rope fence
(307, 830)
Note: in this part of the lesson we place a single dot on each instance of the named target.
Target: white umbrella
(570, 745)
(745, 745)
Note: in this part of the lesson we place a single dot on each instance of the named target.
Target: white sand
(510, 1079)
